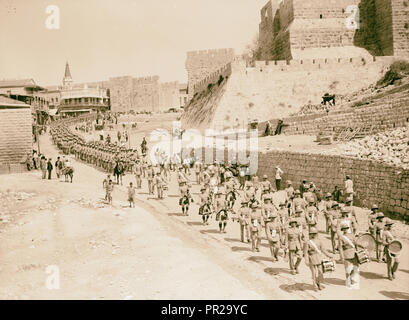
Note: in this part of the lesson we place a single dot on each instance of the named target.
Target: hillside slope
(268, 92)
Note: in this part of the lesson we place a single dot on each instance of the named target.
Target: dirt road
(149, 252)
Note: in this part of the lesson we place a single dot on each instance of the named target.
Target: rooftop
(8, 102)
(17, 83)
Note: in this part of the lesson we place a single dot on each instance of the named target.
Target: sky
(109, 38)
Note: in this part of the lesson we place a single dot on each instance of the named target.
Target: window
(320, 16)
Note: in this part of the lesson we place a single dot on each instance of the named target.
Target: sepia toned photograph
(204, 150)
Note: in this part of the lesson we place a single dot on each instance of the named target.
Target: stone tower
(67, 80)
(292, 29)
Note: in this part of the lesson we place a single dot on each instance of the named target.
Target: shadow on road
(334, 281)
(407, 271)
(296, 287)
(371, 275)
(210, 231)
(194, 223)
(236, 249)
(258, 259)
(276, 271)
(395, 295)
(177, 214)
(232, 240)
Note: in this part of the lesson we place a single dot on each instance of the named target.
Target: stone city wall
(200, 64)
(16, 138)
(212, 78)
(374, 182)
(381, 116)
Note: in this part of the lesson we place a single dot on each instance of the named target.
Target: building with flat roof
(16, 134)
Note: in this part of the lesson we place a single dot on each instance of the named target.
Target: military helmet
(292, 221)
(313, 230)
(344, 210)
(344, 226)
(380, 215)
(388, 222)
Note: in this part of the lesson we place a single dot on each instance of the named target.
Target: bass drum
(395, 247)
(366, 241)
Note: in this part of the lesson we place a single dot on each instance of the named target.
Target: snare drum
(328, 266)
(362, 256)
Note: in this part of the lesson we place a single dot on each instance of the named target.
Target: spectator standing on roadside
(279, 172)
(49, 168)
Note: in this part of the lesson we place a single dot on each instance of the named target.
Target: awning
(52, 112)
(75, 110)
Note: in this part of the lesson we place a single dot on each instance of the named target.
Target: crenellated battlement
(209, 52)
(212, 78)
(203, 63)
(319, 63)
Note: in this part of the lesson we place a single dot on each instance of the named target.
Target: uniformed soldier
(205, 208)
(379, 227)
(138, 174)
(255, 227)
(198, 168)
(245, 221)
(220, 209)
(159, 183)
(334, 215)
(149, 176)
(326, 208)
(249, 192)
(351, 211)
(131, 195)
(293, 245)
(273, 232)
(289, 190)
(311, 217)
(109, 190)
(372, 220)
(185, 202)
(345, 219)
(313, 251)
(265, 185)
(347, 250)
(392, 260)
(297, 202)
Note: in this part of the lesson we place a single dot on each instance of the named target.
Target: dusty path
(150, 252)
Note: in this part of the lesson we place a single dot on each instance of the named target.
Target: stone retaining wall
(374, 182)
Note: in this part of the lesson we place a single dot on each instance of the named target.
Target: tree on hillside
(252, 51)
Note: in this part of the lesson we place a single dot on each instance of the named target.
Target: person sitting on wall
(267, 131)
(279, 127)
(328, 98)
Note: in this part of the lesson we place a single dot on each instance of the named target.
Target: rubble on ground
(391, 147)
(89, 203)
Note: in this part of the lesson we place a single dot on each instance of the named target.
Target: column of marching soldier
(290, 226)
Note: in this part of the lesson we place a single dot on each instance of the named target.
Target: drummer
(379, 226)
(347, 219)
(313, 250)
(327, 203)
(392, 260)
(347, 250)
(372, 219)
